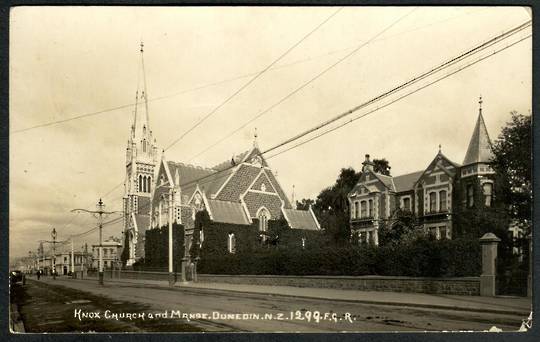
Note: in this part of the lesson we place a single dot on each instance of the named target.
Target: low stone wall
(453, 286)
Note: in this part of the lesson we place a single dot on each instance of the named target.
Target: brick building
(237, 191)
(434, 195)
(242, 191)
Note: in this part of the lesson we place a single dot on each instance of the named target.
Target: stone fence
(453, 286)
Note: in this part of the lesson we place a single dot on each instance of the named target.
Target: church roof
(190, 175)
(227, 212)
(300, 219)
(479, 150)
(406, 182)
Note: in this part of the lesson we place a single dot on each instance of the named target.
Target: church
(433, 195)
(242, 190)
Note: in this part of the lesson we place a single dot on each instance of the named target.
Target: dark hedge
(420, 258)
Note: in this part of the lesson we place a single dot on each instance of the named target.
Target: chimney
(367, 164)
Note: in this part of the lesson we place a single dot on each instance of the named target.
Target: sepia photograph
(309, 169)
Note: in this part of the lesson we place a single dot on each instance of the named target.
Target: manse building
(433, 194)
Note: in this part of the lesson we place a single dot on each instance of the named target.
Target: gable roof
(386, 180)
(406, 182)
(190, 176)
(301, 219)
(227, 212)
(479, 150)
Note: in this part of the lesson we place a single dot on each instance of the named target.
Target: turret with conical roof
(479, 153)
(479, 150)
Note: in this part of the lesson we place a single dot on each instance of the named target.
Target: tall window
(263, 217)
(370, 208)
(144, 183)
(432, 202)
(363, 209)
(140, 183)
(356, 210)
(231, 243)
(406, 203)
(442, 200)
(488, 193)
(443, 232)
(470, 195)
(149, 182)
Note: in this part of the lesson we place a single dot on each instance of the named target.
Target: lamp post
(53, 235)
(99, 214)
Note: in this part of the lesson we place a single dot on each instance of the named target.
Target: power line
(443, 66)
(245, 85)
(227, 80)
(480, 47)
(399, 98)
(211, 177)
(414, 80)
(305, 84)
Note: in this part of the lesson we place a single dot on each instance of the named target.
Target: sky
(69, 61)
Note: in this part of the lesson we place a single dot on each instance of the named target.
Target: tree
(404, 227)
(332, 206)
(304, 204)
(382, 166)
(512, 162)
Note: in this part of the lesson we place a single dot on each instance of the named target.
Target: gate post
(529, 276)
(489, 244)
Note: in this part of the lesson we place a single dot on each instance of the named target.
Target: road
(288, 314)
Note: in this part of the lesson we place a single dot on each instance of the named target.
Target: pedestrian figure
(38, 274)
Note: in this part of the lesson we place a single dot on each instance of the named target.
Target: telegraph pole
(171, 274)
(53, 235)
(99, 214)
(72, 260)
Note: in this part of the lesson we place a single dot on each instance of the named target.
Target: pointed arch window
(149, 180)
(144, 183)
(144, 145)
(263, 215)
(231, 243)
(140, 183)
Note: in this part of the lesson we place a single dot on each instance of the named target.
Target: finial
(255, 144)
(440, 148)
(292, 195)
(142, 46)
(480, 103)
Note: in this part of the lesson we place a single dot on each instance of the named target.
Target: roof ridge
(193, 166)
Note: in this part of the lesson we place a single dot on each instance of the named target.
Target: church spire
(479, 150)
(142, 145)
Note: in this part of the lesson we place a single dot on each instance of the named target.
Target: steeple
(479, 150)
(141, 145)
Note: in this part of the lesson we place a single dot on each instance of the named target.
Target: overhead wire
(230, 79)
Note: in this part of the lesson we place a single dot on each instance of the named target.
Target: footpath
(521, 306)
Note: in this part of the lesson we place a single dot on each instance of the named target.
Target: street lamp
(99, 214)
(53, 235)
